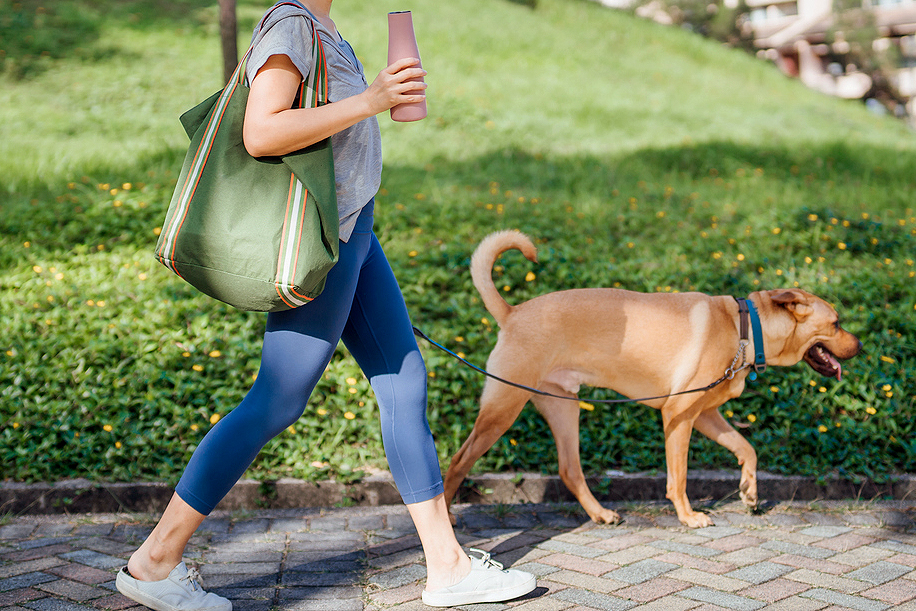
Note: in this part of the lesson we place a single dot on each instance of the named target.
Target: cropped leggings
(362, 305)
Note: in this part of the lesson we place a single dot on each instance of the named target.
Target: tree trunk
(228, 32)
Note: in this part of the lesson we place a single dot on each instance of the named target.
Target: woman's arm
(273, 128)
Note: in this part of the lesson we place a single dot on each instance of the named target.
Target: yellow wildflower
(351, 381)
(822, 428)
(586, 406)
(530, 277)
(107, 428)
(214, 418)
(349, 415)
(871, 410)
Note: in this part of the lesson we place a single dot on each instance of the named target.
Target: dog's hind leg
(713, 425)
(563, 418)
(500, 405)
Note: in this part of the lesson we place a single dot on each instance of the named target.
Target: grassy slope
(636, 154)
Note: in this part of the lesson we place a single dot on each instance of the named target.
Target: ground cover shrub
(654, 177)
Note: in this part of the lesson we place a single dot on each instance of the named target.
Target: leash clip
(731, 372)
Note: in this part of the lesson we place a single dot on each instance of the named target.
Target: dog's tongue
(835, 363)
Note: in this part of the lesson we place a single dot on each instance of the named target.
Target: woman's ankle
(144, 567)
(447, 569)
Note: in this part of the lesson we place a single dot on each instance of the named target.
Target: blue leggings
(362, 305)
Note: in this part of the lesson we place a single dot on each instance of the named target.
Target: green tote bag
(261, 233)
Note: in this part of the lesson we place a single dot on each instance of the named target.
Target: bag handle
(313, 90)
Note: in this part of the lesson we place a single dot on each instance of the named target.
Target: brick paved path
(795, 557)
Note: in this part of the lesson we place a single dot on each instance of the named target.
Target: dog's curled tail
(482, 263)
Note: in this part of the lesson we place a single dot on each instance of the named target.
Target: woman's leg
(297, 347)
(380, 337)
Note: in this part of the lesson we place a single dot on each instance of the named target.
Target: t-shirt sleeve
(292, 37)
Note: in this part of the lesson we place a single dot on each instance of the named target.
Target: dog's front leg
(677, 447)
(713, 425)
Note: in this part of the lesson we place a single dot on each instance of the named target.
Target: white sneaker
(180, 591)
(487, 582)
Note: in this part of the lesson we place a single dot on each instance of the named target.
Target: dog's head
(803, 326)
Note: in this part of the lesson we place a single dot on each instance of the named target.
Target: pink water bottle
(402, 42)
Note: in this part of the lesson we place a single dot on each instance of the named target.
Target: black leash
(729, 374)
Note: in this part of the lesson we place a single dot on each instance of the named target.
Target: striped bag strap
(312, 93)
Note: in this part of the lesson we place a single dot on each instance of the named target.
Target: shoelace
(485, 559)
(193, 578)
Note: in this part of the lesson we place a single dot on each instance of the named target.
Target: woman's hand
(396, 84)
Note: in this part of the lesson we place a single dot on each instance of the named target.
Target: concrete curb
(84, 496)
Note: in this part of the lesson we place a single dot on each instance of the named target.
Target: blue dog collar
(748, 312)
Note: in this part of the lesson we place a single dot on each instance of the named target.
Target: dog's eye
(836, 325)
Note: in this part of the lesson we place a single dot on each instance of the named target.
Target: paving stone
(784, 547)
(895, 592)
(641, 571)
(572, 562)
(825, 531)
(718, 532)
(690, 550)
(572, 548)
(613, 544)
(845, 542)
(94, 559)
(93, 530)
(746, 556)
(328, 524)
(670, 603)
(653, 589)
(692, 562)
(54, 604)
(797, 603)
(879, 572)
(240, 568)
(255, 526)
(398, 577)
(822, 519)
(801, 562)
(630, 555)
(13, 597)
(823, 580)
(326, 592)
(116, 602)
(774, 590)
(722, 599)
(862, 556)
(289, 525)
(897, 546)
(760, 572)
(700, 578)
(591, 583)
(784, 519)
(592, 600)
(25, 581)
(16, 531)
(35, 553)
(72, 590)
(845, 600)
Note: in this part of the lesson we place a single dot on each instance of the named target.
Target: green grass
(635, 155)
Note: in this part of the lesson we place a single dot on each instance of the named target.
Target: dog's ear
(794, 301)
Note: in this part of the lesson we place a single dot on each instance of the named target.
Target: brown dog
(640, 345)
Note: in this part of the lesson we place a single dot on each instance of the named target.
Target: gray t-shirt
(357, 149)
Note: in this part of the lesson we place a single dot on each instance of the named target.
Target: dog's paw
(750, 500)
(695, 519)
(748, 494)
(606, 516)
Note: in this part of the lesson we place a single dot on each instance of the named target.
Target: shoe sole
(454, 599)
(137, 595)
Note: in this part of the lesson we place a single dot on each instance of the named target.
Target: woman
(361, 304)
